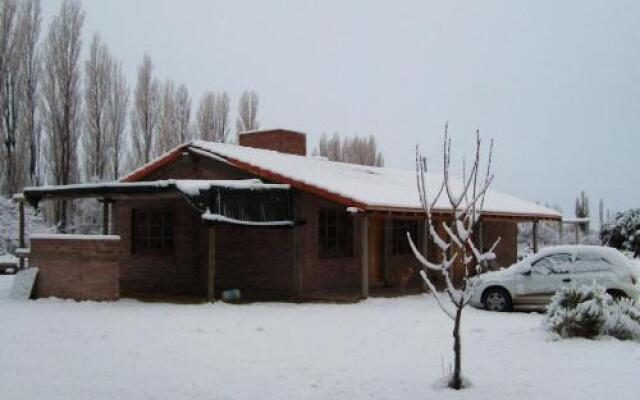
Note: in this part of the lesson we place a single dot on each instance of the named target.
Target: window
(553, 264)
(152, 230)
(592, 262)
(400, 244)
(335, 234)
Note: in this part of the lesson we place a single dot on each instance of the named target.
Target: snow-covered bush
(34, 223)
(623, 233)
(578, 311)
(623, 320)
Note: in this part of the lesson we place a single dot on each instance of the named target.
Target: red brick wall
(179, 271)
(257, 261)
(195, 166)
(280, 140)
(320, 274)
(79, 269)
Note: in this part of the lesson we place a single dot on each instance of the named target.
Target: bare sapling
(458, 207)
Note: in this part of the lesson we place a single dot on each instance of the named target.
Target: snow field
(376, 349)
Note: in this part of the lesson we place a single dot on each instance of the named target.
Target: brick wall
(179, 271)
(320, 274)
(257, 261)
(281, 140)
(80, 269)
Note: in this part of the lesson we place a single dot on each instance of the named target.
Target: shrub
(623, 233)
(623, 320)
(578, 311)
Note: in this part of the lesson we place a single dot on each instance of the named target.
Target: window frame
(335, 233)
(550, 269)
(162, 242)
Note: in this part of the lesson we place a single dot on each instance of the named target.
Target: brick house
(262, 217)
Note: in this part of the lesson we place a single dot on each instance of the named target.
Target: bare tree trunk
(456, 378)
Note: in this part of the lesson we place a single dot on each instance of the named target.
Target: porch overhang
(247, 202)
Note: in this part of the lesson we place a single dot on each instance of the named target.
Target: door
(376, 251)
(548, 274)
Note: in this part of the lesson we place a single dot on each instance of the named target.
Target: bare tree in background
(9, 66)
(144, 115)
(355, 149)
(117, 105)
(62, 99)
(247, 112)
(29, 126)
(213, 117)
(97, 86)
(455, 241)
(168, 123)
(183, 114)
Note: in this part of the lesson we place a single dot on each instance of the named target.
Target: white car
(532, 282)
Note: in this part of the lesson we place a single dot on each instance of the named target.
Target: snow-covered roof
(371, 188)
(189, 187)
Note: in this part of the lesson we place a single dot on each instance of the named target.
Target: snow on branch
(458, 252)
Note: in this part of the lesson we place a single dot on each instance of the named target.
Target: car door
(548, 274)
(592, 267)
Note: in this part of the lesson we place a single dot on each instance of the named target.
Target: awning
(239, 202)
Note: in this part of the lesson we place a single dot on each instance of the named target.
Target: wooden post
(560, 226)
(535, 236)
(21, 229)
(364, 247)
(105, 216)
(481, 236)
(211, 270)
(296, 267)
(387, 234)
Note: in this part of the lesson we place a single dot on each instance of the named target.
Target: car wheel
(496, 299)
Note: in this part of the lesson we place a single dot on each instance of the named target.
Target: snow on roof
(211, 217)
(189, 187)
(375, 187)
(66, 236)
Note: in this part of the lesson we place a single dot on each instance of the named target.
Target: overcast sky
(555, 83)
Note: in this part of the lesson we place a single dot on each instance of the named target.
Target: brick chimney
(282, 140)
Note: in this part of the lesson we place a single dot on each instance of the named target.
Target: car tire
(496, 299)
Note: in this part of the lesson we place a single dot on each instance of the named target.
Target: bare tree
(144, 115)
(9, 66)
(355, 149)
(204, 116)
(61, 106)
(183, 114)
(98, 72)
(247, 112)
(213, 117)
(168, 123)
(29, 125)
(455, 240)
(117, 105)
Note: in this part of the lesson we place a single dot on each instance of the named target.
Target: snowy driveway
(377, 349)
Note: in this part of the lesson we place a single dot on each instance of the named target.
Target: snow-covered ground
(377, 349)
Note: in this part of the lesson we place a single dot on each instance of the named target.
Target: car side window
(552, 264)
(591, 262)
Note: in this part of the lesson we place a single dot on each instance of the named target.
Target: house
(263, 217)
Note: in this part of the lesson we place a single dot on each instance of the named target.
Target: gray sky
(556, 84)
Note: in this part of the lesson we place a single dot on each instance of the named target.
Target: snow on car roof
(375, 187)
